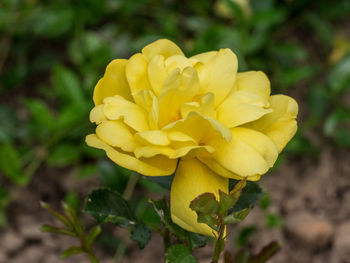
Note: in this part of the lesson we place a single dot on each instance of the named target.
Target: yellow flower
(159, 107)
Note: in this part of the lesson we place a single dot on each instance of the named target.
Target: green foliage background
(53, 52)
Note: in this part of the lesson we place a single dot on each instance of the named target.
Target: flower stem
(219, 244)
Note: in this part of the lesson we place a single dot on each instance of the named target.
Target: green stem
(219, 244)
(129, 190)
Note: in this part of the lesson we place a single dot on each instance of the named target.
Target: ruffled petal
(96, 114)
(156, 166)
(117, 107)
(255, 82)
(192, 178)
(205, 107)
(247, 154)
(157, 73)
(117, 134)
(155, 137)
(149, 102)
(114, 82)
(211, 163)
(279, 125)
(217, 72)
(241, 107)
(194, 125)
(180, 87)
(163, 47)
(136, 71)
(188, 151)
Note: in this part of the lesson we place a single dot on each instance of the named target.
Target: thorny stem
(219, 244)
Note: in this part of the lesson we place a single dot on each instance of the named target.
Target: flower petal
(279, 125)
(218, 72)
(157, 73)
(163, 47)
(188, 151)
(254, 81)
(194, 125)
(117, 134)
(96, 114)
(241, 107)
(117, 107)
(156, 166)
(179, 87)
(114, 82)
(149, 102)
(155, 137)
(136, 73)
(192, 178)
(206, 107)
(247, 154)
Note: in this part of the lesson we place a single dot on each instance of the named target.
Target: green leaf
(266, 253)
(265, 202)
(67, 83)
(273, 221)
(64, 154)
(250, 195)
(11, 166)
(40, 114)
(58, 215)
(180, 254)
(197, 240)
(141, 234)
(74, 250)
(205, 203)
(206, 207)
(236, 216)
(57, 230)
(108, 206)
(94, 232)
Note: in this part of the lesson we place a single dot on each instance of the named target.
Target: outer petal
(157, 73)
(113, 82)
(191, 179)
(156, 166)
(97, 115)
(136, 73)
(163, 47)
(247, 154)
(280, 125)
(218, 73)
(241, 107)
(188, 151)
(254, 81)
(117, 107)
(117, 134)
(155, 137)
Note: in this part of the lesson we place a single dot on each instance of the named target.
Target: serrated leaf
(108, 206)
(197, 240)
(94, 232)
(74, 250)
(249, 196)
(266, 253)
(205, 203)
(141, 234)
(180, 254)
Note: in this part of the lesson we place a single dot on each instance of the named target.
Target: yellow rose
(159, 107)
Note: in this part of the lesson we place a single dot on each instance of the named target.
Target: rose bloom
(160, 113)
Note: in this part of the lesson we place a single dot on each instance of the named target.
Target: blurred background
(53, 52)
